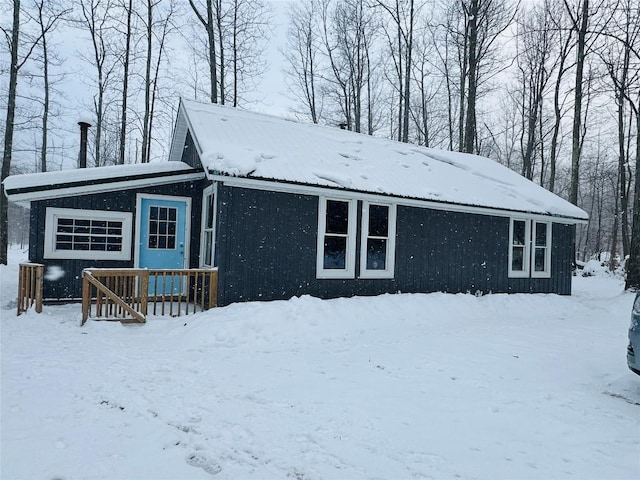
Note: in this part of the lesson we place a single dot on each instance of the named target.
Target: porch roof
(35, 186)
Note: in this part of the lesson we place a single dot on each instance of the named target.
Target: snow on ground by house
(396, 386)
(241, 143)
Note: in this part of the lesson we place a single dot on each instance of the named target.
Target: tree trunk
(125, 86)
(147, 85)
(470, 125)
(221, 51)
(633, 264)
(8, 134)
(45, 106)
(211, 40)
(407, 77)
(577, 111)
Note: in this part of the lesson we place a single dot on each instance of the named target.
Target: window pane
(517, 259)
(162, 213)
(172, 214)
(541, 234)
(210, 204)
(539, 260)
(376, 254)
(208, 238)
(153, 241)
(337, 217)
(162, 242)
(153, 213)
(519, 229)
(378, 221)
(335, 253)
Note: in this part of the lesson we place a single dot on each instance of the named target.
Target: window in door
(162, 227)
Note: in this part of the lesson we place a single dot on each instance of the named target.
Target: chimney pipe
(84, 128)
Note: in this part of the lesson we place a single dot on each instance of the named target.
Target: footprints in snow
(199, 461)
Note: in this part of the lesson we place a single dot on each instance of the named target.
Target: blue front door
(162, 241)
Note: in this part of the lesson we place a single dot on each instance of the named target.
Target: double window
(337, 230)
(87, 234)
(529, 248)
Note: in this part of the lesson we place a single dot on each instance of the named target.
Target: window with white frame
(336, 238)
(377, 237)
(529, 248)
(207, 257)
(87, 234)
(541, 246)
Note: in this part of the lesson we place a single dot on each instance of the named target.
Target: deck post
(86, 297)
(213, 289)
(144, 292)
(38, 284)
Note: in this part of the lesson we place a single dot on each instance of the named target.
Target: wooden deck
(124, 294)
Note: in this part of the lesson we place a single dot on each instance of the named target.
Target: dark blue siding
(266, 250)
(70, 285)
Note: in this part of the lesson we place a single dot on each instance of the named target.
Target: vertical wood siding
(70, 285)
(266, 250)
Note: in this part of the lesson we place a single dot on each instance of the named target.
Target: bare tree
(207, 21)
(535, 42)
(623, 37)
(48, 15)
(237, 34)
(12, 37)
(128, 8)
(96, 18)
(485, 21)
(403, 15)
(302, 56)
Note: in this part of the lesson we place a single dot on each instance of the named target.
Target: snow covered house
(285, 208)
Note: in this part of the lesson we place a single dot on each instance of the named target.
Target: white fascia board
(276, 186)
(179, 136)
(24, 198)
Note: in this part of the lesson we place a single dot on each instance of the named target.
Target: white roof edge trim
(275, 186)
(184, 115)
(177, 144)
(24, 198)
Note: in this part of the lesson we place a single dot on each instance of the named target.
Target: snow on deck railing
(30, 287)
(125, 294)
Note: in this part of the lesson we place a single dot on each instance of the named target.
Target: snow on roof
(235, 142)
(83, 175)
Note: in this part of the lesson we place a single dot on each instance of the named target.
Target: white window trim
(51, 222)
(526, 260)
(529, 249)
(389, 271)
(350, 260)
(546, 273)
(210, 190)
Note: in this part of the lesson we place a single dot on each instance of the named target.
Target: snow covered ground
(397, 386)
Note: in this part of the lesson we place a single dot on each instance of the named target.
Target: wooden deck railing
(130, 294)
(30, 287)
